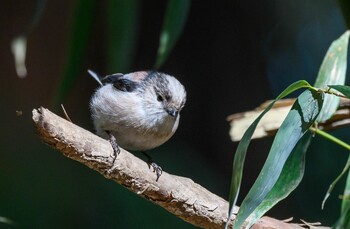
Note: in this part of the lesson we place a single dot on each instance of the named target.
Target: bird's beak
(172, 112)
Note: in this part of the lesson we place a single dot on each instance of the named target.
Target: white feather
(95, 76)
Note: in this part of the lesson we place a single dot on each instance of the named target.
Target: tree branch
(273, 119)
(178, 195)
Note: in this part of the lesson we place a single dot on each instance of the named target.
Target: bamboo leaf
(331, 187)
(238, 163)
(346, 196)
(344, 219)
(290, 178)
(174, 22)
(332, 71)
(345, 90)
(301, 116)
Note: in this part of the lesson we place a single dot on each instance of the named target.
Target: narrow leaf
(84, 14)
(291, 175)
(331, 187)
(332, 71)
(122, 26)
(301, 116)
(347, 165)
(344, 219)
(174, 22)
(238, 162)
(346, 196)
(345, 90)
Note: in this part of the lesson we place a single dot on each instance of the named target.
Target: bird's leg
(156, 168)
(114, 145)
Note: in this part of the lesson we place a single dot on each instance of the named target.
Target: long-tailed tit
(137, 111)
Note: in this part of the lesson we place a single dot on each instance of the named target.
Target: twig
(65, 113)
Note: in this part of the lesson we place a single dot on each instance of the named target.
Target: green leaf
(174, 22)
(332, 71)
(347, 165)
(344, 219)
(346, 196)
(84, 14)
(238, 162)
(331, 187)
(299, 119)
(345, 90)
(291, 175)
(122, 28)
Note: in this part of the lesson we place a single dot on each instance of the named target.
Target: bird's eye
(160, 98)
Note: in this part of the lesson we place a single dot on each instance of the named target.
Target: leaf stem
(330, 137)
(328, 91)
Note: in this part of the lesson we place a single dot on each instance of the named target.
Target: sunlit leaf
(345, 90)
(122, 26)
(19, 51)
(174, 22)
(332, 72)
(301, 116)
(8, 221)
(19, 43)
(291, 175)
(84, 15)
(238, 163)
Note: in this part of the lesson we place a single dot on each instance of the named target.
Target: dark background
(232, 56)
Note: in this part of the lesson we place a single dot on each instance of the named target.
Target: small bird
(137, 111)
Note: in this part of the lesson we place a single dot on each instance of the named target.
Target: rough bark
(179, 195)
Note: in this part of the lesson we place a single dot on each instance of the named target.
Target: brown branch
(270, 123)
(178, 195)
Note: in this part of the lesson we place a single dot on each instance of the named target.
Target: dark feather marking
(125, 85)
(120, 83)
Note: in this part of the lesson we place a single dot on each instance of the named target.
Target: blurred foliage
(122, 27)
(120, 37)
(19, 44)
(174, 21)
(77, 48)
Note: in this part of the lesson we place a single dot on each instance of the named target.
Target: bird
(138, 111)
